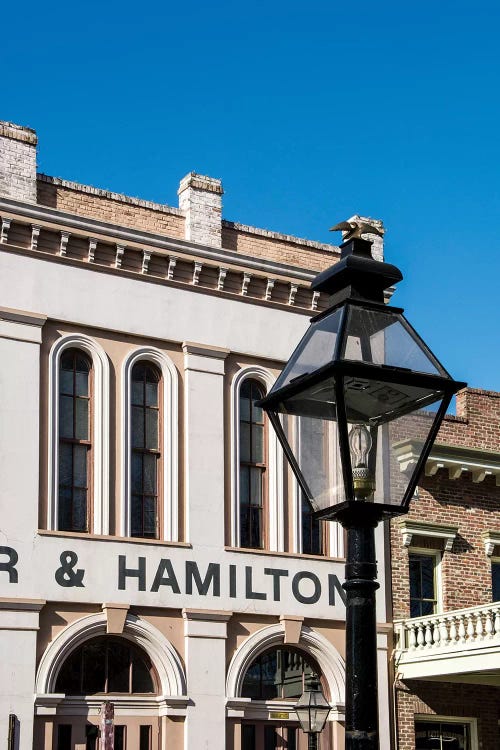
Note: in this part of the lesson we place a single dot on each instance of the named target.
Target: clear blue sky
(309, 112)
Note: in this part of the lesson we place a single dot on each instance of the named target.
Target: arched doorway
(137, 670)
(264, 680)
(278, 675)
(107, 669)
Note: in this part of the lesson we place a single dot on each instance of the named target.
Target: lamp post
(312, 708)
(358, 385)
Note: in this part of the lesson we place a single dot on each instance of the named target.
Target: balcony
(458, 646)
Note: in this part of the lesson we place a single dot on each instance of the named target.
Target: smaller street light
(312, 709)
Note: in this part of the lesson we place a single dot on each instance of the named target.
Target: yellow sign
(279, 715)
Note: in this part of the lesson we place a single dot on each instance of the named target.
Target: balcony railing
(450, 642)
(450, 629)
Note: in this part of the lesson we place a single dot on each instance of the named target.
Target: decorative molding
(222, 278)
(116, 614)
(120, 251)
(146, 257)
(315, 300)
(269, 289)
(63, 245)
(292, 627)
(35, 233)
(491, 540)
(172, 262)
(169, 440)
(455, 459)
(196, 272)
(100, 432)
(275, 468)
(410, 528)
(161, 652)
(247, 277)
(92, 249)
(4, 232)
(293, 292)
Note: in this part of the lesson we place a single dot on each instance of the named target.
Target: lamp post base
(361, 725)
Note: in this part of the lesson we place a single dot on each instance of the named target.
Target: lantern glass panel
(385, 338)
(316, 348)
(384, 456)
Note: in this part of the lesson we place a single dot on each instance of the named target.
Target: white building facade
(154, 551)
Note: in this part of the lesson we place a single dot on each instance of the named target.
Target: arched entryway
(267, 676)
(137, 671)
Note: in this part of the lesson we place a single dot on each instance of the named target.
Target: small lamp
(312, 709)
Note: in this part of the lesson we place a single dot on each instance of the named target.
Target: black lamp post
(359, 384)
(312, 708)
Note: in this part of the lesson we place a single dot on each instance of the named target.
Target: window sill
(109, 538)
(295, 555)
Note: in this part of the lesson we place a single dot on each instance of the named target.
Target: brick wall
(110, 207)
(426, 698)
(473, 508)
(466, 570)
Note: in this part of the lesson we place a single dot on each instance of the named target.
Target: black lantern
(312, 709)
(359, 384)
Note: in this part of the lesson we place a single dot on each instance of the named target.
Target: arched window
(75, 446)
(106, 665)
(253, 465)
(278, 674)
(145, 459)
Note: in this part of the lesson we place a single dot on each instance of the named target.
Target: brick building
(446, 587)
(155, 551)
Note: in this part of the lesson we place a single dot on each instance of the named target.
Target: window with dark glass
(64, 737)
(145, 448)
(423, 599)
(442, 735)
(277, 674)
(106, 665)
(252, 465)
(495, 581)
(312, 537)
(74, 441)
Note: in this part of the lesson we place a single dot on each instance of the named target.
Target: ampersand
(65, 575)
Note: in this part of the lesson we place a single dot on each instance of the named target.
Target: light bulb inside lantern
(360, 443)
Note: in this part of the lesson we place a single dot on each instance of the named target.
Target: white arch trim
(100, 432)
(330, 662)
(275, 465)
(169, 440)
(161, 652)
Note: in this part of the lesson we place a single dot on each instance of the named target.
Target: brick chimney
(17, 162)
(200, 198)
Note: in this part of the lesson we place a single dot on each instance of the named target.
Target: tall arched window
(253, 465)
(145, 460)
(75, 446)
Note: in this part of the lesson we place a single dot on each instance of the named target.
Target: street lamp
(358, 385)
(312, 708)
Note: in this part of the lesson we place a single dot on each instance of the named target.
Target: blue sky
(309, 112)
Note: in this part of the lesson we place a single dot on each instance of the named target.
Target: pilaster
(204, 444)
(205, 634)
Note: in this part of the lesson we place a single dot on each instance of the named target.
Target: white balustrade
(474, 625)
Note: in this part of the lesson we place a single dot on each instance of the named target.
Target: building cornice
(455, 459)
(139, 238)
